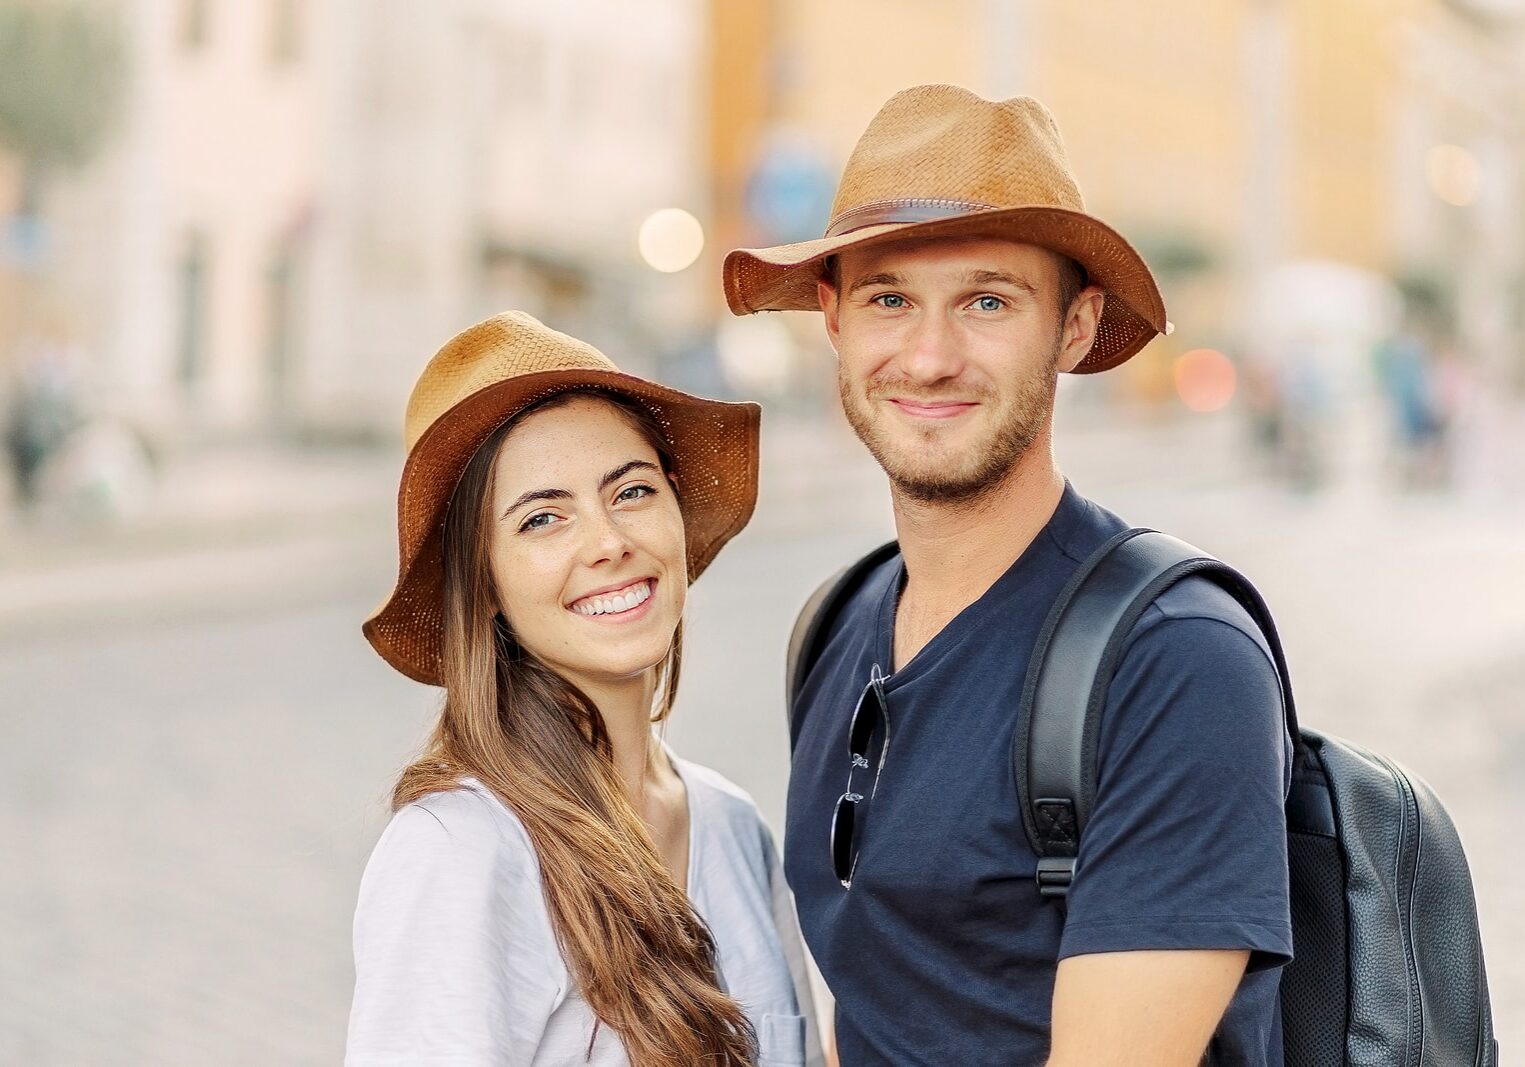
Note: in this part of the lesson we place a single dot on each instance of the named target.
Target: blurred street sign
(790, 190)
(23, 242)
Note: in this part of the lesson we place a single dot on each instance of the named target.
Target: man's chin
(928, 487)
(936, 478)
(939, 473)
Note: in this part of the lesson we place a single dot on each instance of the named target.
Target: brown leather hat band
(909, 209)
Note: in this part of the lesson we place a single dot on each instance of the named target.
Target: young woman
(555, 886)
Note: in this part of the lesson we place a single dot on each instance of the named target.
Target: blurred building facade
(307, 197)
(1226, 140)
(484, 154)
(178, 255)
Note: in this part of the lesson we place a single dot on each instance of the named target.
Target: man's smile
(932, 409)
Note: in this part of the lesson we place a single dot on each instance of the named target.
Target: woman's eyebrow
(534, 495)
(619, 472)
(565, 494)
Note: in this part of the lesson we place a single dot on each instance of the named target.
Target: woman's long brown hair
(641, 956)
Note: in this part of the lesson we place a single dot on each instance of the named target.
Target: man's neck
(954, 552)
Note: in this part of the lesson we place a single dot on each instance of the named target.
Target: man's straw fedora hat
(939, 161)
(482, 378)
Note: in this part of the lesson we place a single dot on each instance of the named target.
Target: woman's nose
(605, 539)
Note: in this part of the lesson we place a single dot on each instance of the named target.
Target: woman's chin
(608, 667)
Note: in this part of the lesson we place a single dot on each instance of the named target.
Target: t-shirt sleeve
(1186, 846)
(448, 967)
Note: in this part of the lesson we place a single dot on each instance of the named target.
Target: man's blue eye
(990, 303)
(890, 300)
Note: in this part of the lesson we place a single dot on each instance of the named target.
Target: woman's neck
(626, 710)
(648, 778)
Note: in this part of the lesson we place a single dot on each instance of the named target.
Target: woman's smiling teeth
(613, 603)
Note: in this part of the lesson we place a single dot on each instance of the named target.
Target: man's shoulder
(874, 580)
(1208, 616)
(858, 601)
(1080, 526)
(1196, 597)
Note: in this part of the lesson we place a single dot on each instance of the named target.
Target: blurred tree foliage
(1176, 254)
(1429, 296)
(63, 68)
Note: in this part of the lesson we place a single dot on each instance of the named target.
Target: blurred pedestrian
(960, 274)
(42, 409)
(1307, 404)
(1418, 393)
(556, 886)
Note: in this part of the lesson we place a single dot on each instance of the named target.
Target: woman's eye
(537, 521)
(989, 303)
(890, 300)
(634, 492)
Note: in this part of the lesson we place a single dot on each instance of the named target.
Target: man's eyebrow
(977, 278)
(883, 277)
(564, 494)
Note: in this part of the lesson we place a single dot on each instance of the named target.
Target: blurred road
(197, 744)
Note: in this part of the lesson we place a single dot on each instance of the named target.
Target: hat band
(909, 209)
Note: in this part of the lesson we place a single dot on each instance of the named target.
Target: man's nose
(935, 352)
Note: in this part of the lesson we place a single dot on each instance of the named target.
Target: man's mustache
(917, 393)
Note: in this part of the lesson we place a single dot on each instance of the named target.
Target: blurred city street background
(231, 233)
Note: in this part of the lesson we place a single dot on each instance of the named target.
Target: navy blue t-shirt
(942, 951)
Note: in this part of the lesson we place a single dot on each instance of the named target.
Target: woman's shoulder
(466, 819)
(724, 803)
(714, 784)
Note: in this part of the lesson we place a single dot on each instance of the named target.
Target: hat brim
(784, 277)
(715, 456)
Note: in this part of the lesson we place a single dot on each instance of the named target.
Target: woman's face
(588, 553)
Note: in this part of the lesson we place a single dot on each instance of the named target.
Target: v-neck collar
(1053, 534)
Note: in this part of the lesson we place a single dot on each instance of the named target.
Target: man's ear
(826, 293)
(1079, 331)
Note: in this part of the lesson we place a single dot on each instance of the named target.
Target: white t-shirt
(456, 962)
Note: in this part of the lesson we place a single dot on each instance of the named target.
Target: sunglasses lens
(865, 720)
(842, 844)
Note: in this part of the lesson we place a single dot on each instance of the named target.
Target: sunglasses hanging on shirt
(870, 718)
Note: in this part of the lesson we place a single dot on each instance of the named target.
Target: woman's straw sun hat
(939, 161)
(481, 379)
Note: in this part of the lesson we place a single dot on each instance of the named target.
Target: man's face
(948, 354)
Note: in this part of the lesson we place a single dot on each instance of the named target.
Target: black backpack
(1389, 963)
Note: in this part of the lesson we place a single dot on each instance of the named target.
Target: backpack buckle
(1055, 873)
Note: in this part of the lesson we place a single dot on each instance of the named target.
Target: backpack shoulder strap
(1054, 755)
(814, 622)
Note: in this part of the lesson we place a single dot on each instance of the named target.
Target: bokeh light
(1454, 174)
(1205, 380)
(670, 240)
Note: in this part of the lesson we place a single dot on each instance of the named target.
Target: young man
(959, 277)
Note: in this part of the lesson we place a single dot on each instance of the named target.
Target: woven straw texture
(477, 382)
(939, 161)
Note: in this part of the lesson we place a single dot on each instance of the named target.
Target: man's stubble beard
(958, 483)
